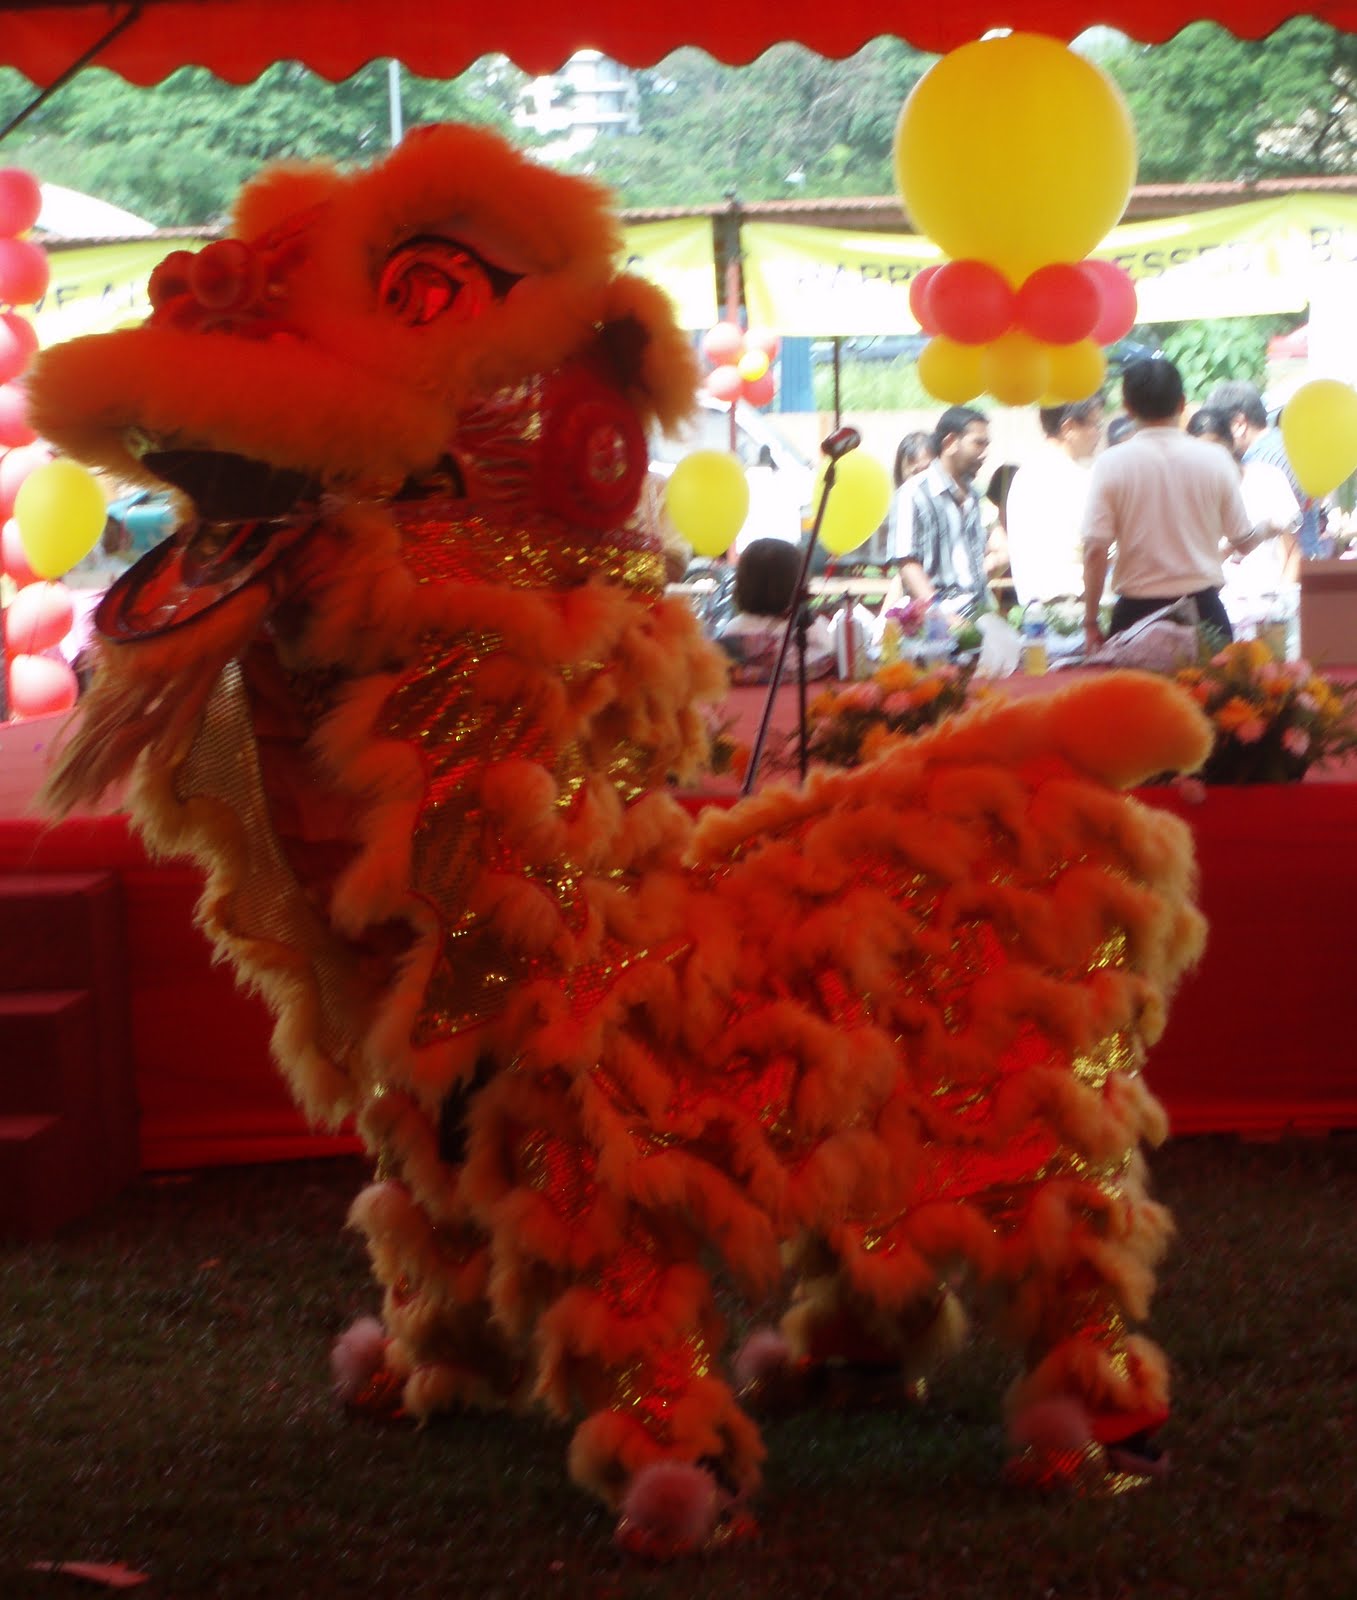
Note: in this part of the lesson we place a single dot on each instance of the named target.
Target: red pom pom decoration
(970, 301)
(1058, 304)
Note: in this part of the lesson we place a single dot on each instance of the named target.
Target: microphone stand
(838, 444)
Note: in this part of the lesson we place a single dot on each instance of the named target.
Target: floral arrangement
(1273, 719)
(860, 721)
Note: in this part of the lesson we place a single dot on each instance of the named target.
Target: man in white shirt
(936, 532)
(1044, 513)
(1168, 502)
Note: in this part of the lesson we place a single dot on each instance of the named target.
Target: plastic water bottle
(1033, 658)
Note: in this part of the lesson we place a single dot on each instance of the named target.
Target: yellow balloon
(858, 501)
(1016, 369)
(60, 512)
(752, 365)
(707, 498)
(1076, 372)
(1319, 430)
(1015, 151)
(951, 371)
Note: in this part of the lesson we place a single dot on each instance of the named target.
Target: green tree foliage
(1210, 106)
(177, 153)
(789, 124)
(1208, 351)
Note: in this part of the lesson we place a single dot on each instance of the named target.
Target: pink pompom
(356, 1357)
(763, 1354)
(669, 1510)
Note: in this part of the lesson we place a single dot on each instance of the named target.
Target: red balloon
(725, 383)
(38, 618)
(758, 391)
(24, 272)
(918, 298)
(1058, 304)
(16, 466)
(970, 301)
(40, 686)
(1117, 295)
(20, 201)
(15, 563)
(18, 344)
(763, 339)
(723, 344)
(14, 424)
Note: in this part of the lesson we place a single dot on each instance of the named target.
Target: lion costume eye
(430, 278)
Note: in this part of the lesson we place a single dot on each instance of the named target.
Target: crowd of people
(1115, 518)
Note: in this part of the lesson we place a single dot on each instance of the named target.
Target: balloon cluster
(52, 511)
(1017, 156)
(740, 363)
(707, 499)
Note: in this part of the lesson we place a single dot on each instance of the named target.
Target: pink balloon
(18, 345)
(971, 302)
(758, 391)
(725, 383)
(24, 272)
(14, 425)
(20, 201)
(15, 563)
(16, 466)
(1117, 297)
(38, 618)
(1058, 304)
(918, 298)
(764, 339)
(723, 344)
(40, 686)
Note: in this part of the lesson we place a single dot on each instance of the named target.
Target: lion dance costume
(407, 684)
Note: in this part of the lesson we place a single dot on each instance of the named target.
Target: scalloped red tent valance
(238, 39)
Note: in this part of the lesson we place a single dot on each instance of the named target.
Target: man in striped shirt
(936, 532)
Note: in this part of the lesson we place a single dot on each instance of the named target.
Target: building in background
(591, 97)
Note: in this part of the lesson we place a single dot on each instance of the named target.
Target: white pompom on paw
(356, 1357)
(764, 1354)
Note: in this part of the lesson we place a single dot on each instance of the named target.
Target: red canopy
(237, 39)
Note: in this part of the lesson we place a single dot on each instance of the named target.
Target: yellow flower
(1256, 654)
(1234, 714)
(876, 739)
(896, 675)
(925, 691)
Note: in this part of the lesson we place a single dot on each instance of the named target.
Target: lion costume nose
(224, 287)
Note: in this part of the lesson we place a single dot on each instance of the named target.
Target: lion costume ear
(282, 192)
(646, 352)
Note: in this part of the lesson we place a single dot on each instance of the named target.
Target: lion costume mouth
(226, 487)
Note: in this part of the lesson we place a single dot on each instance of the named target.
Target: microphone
(841, 442)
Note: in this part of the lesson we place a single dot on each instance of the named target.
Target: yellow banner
(1263, 256)
(101, 287)
(677, 256)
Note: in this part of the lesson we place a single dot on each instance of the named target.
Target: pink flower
(1296, 741)
(1307, 702)
(1252, 731)
(859, 697)
(897, 704)
(1192, 790)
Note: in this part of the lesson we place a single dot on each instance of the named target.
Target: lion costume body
(407, 684)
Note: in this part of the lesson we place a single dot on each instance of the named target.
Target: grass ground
(166, 1405)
